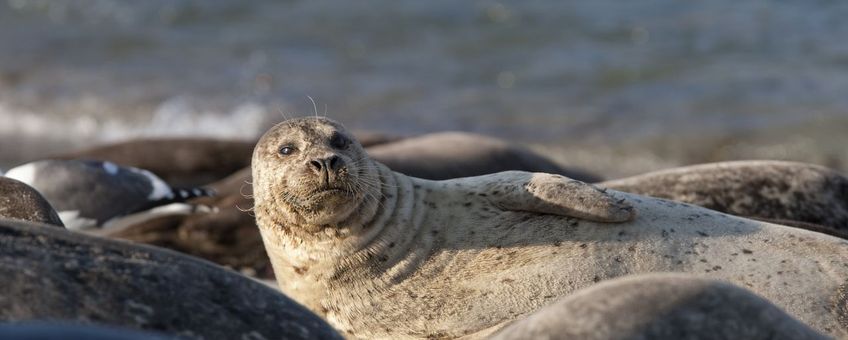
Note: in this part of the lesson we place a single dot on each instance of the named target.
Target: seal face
(315, 174)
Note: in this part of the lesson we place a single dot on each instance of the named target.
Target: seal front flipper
(557, 195)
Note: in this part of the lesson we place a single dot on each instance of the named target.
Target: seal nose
(331, 163)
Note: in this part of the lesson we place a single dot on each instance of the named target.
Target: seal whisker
(314, 106)
(282, 114)
(247, 210)
(241, 191)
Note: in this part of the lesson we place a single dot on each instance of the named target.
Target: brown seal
(382, 254)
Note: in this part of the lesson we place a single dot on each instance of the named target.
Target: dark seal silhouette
(51, 274)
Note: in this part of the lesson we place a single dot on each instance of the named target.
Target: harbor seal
(380, 254)
(771, 190)
(660, 306)
(52, 274)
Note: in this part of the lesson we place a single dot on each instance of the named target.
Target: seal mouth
(329, 191)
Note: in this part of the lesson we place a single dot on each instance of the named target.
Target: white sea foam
(180, 117)
(176, 117)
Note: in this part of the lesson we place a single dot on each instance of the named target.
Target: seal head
(315, 175)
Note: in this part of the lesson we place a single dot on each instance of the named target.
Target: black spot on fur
(300, 270)
(746, 251)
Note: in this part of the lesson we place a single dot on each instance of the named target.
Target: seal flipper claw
(553, 194)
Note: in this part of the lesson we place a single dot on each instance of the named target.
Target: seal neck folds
(373, 244)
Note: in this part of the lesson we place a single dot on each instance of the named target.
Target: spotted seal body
(22, 202)
(660, 306)
(380, 254)
(774, 190)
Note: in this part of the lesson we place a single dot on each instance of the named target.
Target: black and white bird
(98, 194)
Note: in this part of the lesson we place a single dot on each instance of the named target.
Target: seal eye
(339, 141)
(286, 150)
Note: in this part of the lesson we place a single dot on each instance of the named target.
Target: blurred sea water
(614, 87)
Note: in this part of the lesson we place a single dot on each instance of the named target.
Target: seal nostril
(316, 165)
(333, 162)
